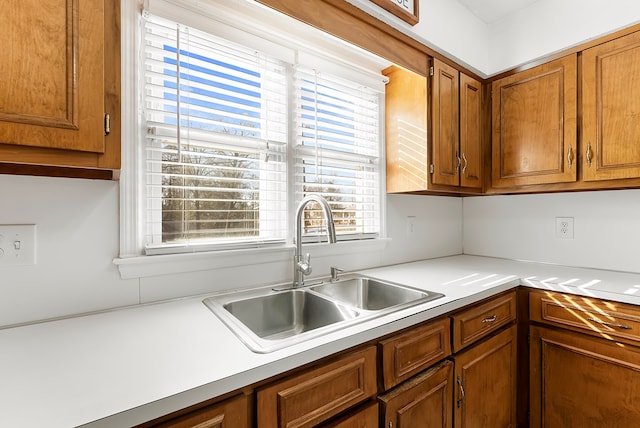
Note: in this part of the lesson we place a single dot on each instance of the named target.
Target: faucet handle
(334, 273)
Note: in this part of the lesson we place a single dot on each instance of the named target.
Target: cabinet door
(534, 125)
(583, 381)
(314, 396)
(61, 76)
(485, 377)
(470, 132)
(445, 91)
(406, 131)
(423, 401)
(610, 108)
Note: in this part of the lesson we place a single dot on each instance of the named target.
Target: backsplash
(77, 238)
(606, 228)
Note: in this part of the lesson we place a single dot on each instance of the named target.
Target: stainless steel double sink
(268, 319)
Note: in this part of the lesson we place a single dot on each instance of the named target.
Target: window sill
(146, 266)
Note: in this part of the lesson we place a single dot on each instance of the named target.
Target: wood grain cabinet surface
(456, 108)
(424, 401)
(318, 394)
(450, 109)
(534, 131)
(406, 354)
(610, 132)
(583, 381)
(230, 413)
(486, 387)
(584, 361)
(60, 79)
(482, 319)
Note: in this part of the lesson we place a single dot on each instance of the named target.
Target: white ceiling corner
(491, 11)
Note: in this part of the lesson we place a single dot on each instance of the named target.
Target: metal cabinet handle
(570, 156)
(609, 324)
(492, 318)
(461, 387)
(466, 164)
(458, 166)
(588, 154)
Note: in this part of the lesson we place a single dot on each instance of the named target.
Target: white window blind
(337, 152)
(215, 143)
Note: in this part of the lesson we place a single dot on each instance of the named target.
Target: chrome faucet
(302, 265)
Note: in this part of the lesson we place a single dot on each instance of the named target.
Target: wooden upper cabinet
(60, 76)
(534, 133)
(610, 110)
(470, 132)
(445, 94)
(457, 127)
(406, 131)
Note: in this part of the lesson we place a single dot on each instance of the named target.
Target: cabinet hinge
(431, 71)
(431, 169)
(107, 124)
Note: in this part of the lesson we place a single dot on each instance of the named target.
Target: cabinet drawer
(409, 353)
(315, 395)
(473, 324)
(609, 320)
(233, 412)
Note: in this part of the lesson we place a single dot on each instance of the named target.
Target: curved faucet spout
(302, 267)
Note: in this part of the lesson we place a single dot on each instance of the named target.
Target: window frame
(131, 262)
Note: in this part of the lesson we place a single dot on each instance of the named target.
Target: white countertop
(127, 366)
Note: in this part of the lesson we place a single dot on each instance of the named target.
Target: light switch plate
(17, 245)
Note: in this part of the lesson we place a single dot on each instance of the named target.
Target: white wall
(76, 240)
(445, 26)
(548, 26)
(606, 227)
(77, 232)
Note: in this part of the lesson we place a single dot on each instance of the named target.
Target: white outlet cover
(564, 227)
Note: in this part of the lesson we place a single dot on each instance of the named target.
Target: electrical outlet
(17, 244)
(411, 225)
(564, 227)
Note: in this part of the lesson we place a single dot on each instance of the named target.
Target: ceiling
(493, 10)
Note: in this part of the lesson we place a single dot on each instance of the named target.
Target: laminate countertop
(127, 366)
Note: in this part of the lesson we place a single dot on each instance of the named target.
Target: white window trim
(133, 265)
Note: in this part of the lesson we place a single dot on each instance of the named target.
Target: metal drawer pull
(570, 156)
(459, 402)
(458, 159)
(588, 154)
(492, 318)
(466, 163)
(608, 324)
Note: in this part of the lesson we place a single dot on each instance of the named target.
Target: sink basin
(267, 319)
(288, 313)
(371, 294)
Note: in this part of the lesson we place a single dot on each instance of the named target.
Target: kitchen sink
(371, 294)
(288, 313)
(271, 318)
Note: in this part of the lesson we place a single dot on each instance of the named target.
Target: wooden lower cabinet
(582, 381)
(425, 401)
(316, 395)
(485, 381)
(231, 413)
(365, 416)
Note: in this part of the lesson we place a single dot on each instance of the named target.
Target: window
(233, 137)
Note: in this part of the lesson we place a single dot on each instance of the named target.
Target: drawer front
(609, 320)
(473, 324)
(314, 396)
(409, 353)
(231, 413)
